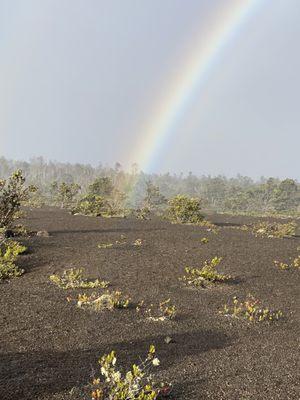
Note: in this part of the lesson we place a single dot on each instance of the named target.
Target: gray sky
(80, 79)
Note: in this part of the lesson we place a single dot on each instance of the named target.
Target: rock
(43, 234)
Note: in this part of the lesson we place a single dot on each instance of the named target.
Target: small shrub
(9, 252)
(204, 240)
(12, 194)
(185, 210)
(294, 264)
(205, 276)
(252, 310)
(73, 278)
(108, 300)
(92, 204)
(105, 245)
(136, 384)
(138, 242)
(165, 310)
(142, 213)
(274, 229)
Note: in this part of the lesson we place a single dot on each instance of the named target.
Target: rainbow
(170, 110)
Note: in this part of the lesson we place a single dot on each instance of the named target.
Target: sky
(83, 80)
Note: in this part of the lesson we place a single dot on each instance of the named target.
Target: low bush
(294, 264)
(205, 276)
(274, 229)
(73, 278)
(185, 210)
(251, 309)
(165, 310)
(204, 240)
(91, 204)
(108, 301)
(9, 252)
(136, 384)
(12, 194)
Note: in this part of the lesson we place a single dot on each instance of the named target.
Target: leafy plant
(153, 199)
(184, 209)
(205, 276)
(142, 213)
(274, 229)
(165, 310)
(204, 240)
(9, 252)
(252, 310)
(12, 194)
(73, 278)
(108, 300)
(136, 384)
(138, 242)
(65, 193)
(294, 264)
(92, 204)
(105, 245)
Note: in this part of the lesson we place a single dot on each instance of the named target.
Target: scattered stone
(168, 339)
(43, 234)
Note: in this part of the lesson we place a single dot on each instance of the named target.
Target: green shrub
(274, 229)
(93, 205)
(165, 310)
(184, 209)
(205, 276)
(73, 278)
(12, 194)
(108, 300)
(252, 310)
(136, 384)
(294, 264)
(9, 252)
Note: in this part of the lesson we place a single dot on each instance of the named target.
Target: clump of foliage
(153, 199)
(108, 300)
(93, 205)
(9, 252)
(142, 213)
(136, 384)
(252, 310)
(204, 240)
(105, 245)
(205, 276)
(294, 264)
(274, 229)
(73, 278)
(165, 310)
(138, 242)
(65, 193)
(185, 210)
(12, 194)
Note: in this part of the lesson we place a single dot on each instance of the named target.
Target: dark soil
(49, 346)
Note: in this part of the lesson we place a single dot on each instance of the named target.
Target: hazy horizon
(81, 82)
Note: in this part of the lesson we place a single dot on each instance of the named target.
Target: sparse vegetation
(274, 229)
(294, 264)
(204, 240)
(206, 275)
(164, 310)
(138, 242)
(106, 301)
(136, 384)
(12, 194)
(252, 310)
(9, 252)
(73, 278)
(185, 210)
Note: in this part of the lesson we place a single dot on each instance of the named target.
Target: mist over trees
(219, 193)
